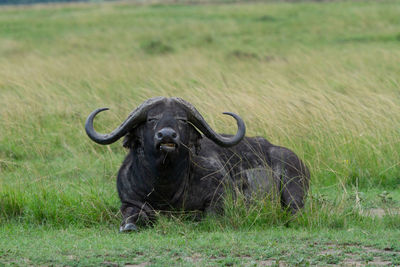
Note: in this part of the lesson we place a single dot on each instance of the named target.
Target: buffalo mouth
(167, 147)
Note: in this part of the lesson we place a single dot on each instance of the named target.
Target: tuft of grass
(40, 204)
(156, 47)
(240, 212)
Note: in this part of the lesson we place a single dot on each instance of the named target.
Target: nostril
(166, 134)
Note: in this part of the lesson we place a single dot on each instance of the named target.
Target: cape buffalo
(171, 166)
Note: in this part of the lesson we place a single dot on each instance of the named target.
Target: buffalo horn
(135, 117)
(197, 120)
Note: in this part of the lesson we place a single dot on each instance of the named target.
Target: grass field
(320, 78)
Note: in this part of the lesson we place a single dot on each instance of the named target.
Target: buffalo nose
(166, 133)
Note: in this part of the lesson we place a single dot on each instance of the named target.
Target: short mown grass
(322, 79)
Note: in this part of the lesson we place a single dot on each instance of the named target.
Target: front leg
(136, 213)
(214, 200)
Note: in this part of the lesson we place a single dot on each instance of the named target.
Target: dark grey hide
(171, 166)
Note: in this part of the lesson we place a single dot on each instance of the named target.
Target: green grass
(320, 78)
(170, 243)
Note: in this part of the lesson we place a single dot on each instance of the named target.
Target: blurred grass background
(319, 78)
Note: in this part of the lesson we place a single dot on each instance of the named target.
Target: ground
(186, 246)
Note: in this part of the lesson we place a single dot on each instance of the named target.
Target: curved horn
(197, 120)
(135, 117)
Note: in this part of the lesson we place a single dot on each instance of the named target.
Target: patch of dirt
(109, 264)
(271, 263)
(72, 257)
(329, 251)
(324, 254)
(354, 259)
(195, 258)
(379, 212)
(338, 255)
(377, 261)
(143, 264)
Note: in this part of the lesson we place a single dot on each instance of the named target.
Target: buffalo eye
(151, 119)
(182, 120)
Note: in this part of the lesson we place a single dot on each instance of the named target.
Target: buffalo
(172, 166)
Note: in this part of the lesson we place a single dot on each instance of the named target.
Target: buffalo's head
(164, 126)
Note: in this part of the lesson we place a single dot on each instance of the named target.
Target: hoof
(129, 227)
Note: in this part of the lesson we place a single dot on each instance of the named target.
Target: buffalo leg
(136, 213)
(292, 175)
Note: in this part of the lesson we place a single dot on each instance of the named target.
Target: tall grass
(321, 79)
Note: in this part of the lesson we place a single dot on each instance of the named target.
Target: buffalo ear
(132, 138)
(195, 137)
(128, 141)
